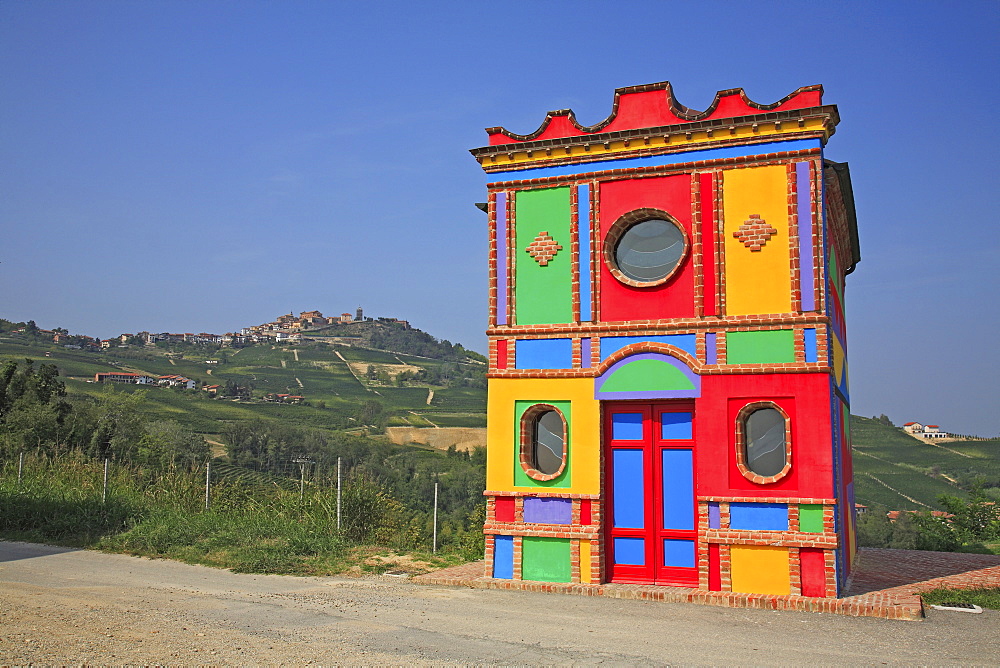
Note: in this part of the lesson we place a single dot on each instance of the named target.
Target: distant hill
(335, 381)
(896, 470)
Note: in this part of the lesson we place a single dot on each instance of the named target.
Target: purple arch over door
(669, 388)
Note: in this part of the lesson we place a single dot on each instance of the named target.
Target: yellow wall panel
(502, 442)
(585, 561)
(759, 569)
(757, 281)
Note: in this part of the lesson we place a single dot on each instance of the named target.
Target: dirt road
(60, 606)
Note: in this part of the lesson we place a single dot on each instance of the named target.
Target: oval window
(543, 442)
(764, 430)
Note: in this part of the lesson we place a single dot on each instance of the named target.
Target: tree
(168, 444)
(119, 425)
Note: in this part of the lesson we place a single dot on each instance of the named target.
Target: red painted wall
(813, 571)
(806, 400)
(504, 509)
(673, 299)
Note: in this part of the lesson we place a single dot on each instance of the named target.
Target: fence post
(435, 547)
(338, 493)
(20, 467)
(104, 496)
(208, 480)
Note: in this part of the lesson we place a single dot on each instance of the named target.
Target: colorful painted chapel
(668, 399)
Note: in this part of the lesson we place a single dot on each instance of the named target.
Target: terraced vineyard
(320, 373)
(900, 472)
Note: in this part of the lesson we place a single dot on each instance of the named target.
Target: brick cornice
(641, 327)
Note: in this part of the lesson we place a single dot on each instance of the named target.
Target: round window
(645, 247)
(543, 442)
(765, 442)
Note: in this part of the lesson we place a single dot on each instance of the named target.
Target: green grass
(984, 597)
(256, 522)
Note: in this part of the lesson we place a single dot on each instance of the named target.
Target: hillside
(890, 465)
(335, 381)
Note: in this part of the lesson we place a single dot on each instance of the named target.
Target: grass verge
(984, 597)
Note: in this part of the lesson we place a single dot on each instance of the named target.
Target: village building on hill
(930, 431)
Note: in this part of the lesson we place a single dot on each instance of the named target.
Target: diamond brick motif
(755, 232)
(543, 248)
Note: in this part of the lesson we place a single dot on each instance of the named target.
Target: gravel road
(60, 606)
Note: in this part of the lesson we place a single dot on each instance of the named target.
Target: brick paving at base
(885, 583)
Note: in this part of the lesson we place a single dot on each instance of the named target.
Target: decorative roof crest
(654, 105)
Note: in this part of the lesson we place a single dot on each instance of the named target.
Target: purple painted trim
(711, 352)
(585, 352)
(548, 511)
(501, 258)
(807, 277)
(649, 394)
(714, 515)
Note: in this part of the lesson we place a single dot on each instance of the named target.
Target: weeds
(249, 527)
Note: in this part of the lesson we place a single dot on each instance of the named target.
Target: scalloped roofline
(638, 107)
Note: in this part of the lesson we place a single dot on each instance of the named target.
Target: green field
(916, 469)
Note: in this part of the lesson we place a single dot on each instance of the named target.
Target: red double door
(651, 520)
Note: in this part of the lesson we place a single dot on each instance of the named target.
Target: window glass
(548, 443)
(648, 251)
(764, 431)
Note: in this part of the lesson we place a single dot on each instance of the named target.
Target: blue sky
(203, 166)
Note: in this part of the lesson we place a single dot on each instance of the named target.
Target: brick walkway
(885, 583)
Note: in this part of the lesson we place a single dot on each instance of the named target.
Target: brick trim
(756, 160)
(772, 538)
(649, 347)
(587, 532)
(491, 208)
(794, 251)
(544, 492)
(767, 499)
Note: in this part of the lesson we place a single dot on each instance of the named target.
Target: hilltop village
(287, 328)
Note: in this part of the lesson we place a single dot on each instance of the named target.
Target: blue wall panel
(543, 354)
(610, 344)
(758, 516)
(678, 489)
(503, 557)
(809, 339)
(658, 160)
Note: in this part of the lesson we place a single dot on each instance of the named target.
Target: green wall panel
(543, 294)
(521, 478)
(647, 376)
(545, 559)
(811, 518)
(767, 347)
